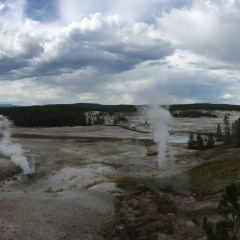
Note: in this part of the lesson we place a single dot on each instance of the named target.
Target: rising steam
(12, 150)
(160, 118)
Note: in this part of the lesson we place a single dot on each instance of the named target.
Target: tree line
(105, 108)
(193, 114)
(206, 106)
(200, 143)
(45, 116)
(230, 134)
(57, 116)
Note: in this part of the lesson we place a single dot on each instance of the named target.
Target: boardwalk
(188, 132)
(170, 132)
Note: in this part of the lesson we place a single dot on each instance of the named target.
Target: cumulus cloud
(179, 84)
(109, 45)
(210, 28)
(119, 50)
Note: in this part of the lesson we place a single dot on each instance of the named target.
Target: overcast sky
(119, 52)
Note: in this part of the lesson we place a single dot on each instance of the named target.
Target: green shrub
(228, 208)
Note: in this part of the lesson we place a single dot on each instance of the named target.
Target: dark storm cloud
(10, 64)
(107, 45)
(110, 59)
(142, 52)
(18, 55)
(102, 47)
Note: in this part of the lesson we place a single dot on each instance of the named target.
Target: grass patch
(212, 177)
(216, 152)
(143, 184)
(208, 178)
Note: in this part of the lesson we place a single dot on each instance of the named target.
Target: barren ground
(70, 195)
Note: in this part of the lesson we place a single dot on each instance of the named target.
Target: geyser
(160, 118)
(14, 151)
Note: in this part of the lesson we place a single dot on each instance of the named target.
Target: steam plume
(12, 150)
(160, 118)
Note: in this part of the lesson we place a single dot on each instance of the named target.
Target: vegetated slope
(221, 168)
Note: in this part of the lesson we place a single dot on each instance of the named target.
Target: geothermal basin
(70, 194)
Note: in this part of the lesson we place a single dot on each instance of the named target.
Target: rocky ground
(61, 215)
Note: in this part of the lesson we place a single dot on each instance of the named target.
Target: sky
(119, 52)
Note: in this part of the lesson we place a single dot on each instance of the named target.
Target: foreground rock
(8, 169)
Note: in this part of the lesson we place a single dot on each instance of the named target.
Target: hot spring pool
(180, 139)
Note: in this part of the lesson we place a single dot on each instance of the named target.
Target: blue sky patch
(41, 10)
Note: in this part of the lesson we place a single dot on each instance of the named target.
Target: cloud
(140, 11)
(118, 51)
(2, 6)
(209, 28)
(109, 45)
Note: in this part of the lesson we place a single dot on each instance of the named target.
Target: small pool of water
(179, 139)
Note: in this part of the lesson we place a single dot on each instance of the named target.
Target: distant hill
(7, 105)
(206, 106)
(174, 107)
(100, 107)
(134, 108)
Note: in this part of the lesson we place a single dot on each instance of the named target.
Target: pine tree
(236, 133)
(228, 208)
(191, 141)
(199, 142)
(210, 141)
(205, 143)
(227, 131)
(89, 121)
(219, 136)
